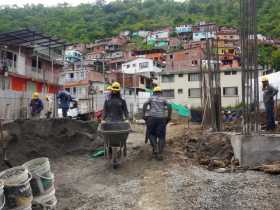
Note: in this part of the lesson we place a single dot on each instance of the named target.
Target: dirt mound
(49, 138)
(213, 150)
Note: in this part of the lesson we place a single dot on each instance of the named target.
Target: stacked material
(17, 189)
(42, 184)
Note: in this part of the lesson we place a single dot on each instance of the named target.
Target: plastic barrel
(17, 189)
(45, 202)
(2, 196)
(42, 180)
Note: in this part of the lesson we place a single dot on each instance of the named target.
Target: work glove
(103, 121)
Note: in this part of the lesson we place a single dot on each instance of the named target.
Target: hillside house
(30, 62)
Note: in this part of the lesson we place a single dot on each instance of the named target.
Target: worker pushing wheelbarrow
(115, 126)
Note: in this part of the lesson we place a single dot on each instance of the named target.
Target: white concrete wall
(185, 85)
(231, 81)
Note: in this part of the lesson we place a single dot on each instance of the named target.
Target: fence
(15, 105)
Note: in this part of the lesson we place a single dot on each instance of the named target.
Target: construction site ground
(146, 184)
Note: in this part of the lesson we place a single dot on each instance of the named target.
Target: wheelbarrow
(115, 136)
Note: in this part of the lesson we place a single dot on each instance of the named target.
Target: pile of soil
(49, 138)
(213, 150)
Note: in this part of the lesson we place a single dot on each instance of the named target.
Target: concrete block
(256, 150)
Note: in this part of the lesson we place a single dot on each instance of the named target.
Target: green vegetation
(269, 57)
(88, 22)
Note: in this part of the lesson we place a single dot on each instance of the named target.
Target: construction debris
(49, 138)
(213, 150)
(273, 168)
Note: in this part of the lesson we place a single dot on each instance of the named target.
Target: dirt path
(146, 184)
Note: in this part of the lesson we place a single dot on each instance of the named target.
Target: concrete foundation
(256, 150)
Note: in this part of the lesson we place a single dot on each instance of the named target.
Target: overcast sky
(45, 2)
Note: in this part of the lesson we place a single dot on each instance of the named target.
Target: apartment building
(139, 74)
(185, 87)
(30, 62)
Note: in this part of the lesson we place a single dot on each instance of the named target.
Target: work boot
(159, 157)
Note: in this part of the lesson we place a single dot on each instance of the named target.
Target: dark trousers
(64, 112)
(157, 132)
(270, 119)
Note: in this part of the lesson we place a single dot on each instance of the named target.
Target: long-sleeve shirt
(36, 106)
(64, 100)
(115, 109)
(158, 107)
(268, 94)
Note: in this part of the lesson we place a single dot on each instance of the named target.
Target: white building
(184, 87)
(140, 65)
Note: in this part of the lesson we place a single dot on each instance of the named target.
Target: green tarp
(181, 109)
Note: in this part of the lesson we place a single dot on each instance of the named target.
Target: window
(168, 93)
(180, 91)
(134, 65)
(142, 80)
(230, 91)
(230, 72)
(180, 75)
(194, 62)
(34, 64)
(194, 77)
(167, 78)
(171, 56)
(82, 75)
(127, 66)
(71, 75)
(4, 83)
(143, 65)
(194, 92)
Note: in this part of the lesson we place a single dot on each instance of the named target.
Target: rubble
(213, 150)
(48, 138)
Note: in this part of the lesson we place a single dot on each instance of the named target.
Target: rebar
(211, 87)
(250, 73)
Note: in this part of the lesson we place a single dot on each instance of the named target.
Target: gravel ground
(145, 184)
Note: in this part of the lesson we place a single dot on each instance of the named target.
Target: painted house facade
(29, 62)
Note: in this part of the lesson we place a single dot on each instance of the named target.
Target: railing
(42, 74)
(9, 64)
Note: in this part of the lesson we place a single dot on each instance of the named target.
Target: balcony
(42, 74)
(7, 65)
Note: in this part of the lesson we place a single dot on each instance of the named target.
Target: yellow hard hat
(157, 89)
(109, 87)
(35, 95)
(264, 79)
(116, 86)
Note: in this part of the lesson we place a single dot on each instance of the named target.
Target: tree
(276, 60)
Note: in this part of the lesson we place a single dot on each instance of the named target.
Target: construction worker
(156, 121)
(49, 106)
(36, 106)
(115, 108)
(269, 92)
(64, 102)
(108, 92)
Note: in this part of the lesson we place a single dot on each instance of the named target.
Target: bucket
(2, 196)
(45, 202)
(42, 180)
(17, 190)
